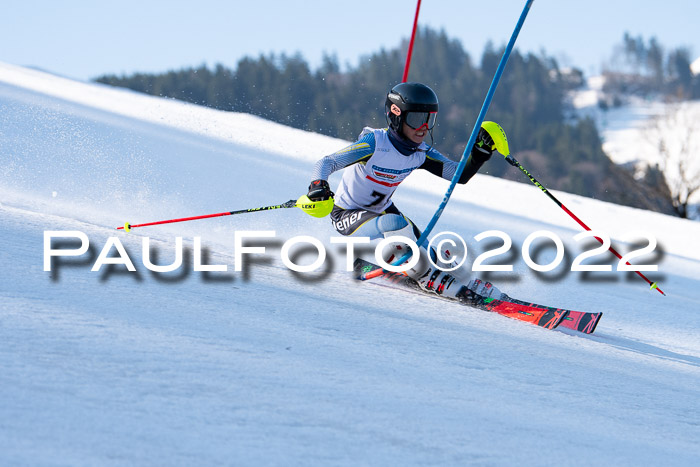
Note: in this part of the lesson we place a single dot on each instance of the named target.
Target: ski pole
(470, 144)
(313, 208)
(512, 161)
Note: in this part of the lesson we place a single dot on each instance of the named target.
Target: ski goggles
(418, 120)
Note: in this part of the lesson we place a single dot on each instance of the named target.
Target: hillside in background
(653, 139)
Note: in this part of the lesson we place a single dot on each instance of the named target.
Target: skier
(379, 161)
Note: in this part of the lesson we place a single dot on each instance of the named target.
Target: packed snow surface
(265, 366)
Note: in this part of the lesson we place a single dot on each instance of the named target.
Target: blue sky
(84, 39)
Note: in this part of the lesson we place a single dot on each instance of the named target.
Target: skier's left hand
(484, 144)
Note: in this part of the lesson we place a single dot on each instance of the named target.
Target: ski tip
(595, 323)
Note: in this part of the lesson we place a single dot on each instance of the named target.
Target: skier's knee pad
(397, 249)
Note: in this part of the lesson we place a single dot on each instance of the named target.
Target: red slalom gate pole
(512, 161)
(410, 45)
(289, 204)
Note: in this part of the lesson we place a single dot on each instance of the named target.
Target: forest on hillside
(531, 104)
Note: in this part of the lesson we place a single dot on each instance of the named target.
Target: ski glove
(484, 145)
(319, 190)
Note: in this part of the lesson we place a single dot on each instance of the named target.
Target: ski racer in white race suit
(380, 160)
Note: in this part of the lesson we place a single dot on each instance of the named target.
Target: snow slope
(270, 367)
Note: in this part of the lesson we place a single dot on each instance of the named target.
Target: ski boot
(485, 289)
(429, 277)
(436, 281)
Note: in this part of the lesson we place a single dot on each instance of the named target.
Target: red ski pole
(512, 161)
(289, 204)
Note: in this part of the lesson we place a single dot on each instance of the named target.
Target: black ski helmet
(408, 97)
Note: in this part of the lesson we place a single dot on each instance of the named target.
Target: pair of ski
(540, 315)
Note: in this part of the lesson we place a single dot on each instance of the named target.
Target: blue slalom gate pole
(472, 139)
